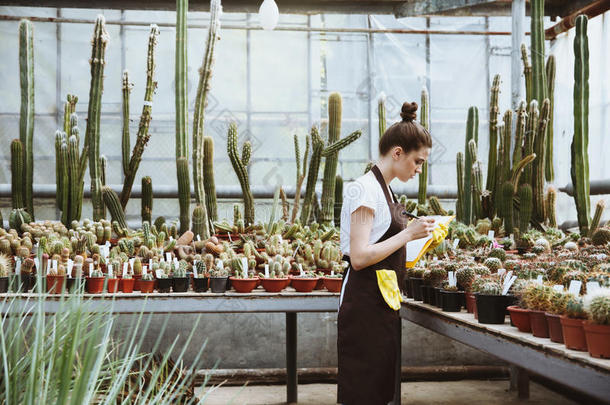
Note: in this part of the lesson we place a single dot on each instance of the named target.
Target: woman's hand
(419, 228)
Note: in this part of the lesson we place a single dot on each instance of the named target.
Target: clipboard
(417, 248)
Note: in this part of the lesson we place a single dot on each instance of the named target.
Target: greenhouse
(314, 202)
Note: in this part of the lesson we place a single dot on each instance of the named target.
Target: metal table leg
(291, 357)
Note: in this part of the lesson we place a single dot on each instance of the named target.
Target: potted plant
(536, 298)
(465, 277)
(76, 283)
(136, 271)
(218, 277)
(572, 324)
(200, 277)
(451, 298)
(304, 282)
(56, 280)
(147, 283)
(519, 314)
(112, 280)
(491, 304)
(181, 281)
(334, 281)
(126, 283)
(5, 266)
(557, 305)
(597, 328)
(243, 281)
(164, 283)
(416, 281)
(274, 279)
(95, 282)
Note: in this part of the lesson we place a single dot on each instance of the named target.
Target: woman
(374, 233)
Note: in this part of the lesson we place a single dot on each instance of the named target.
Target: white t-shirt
(364, 191)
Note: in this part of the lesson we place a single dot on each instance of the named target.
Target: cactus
(17, 174)
(111, 199)
(551, 197)
(537, 48)
(599, 209)
(525, 207)
(459, 209)
(147, 199)
(208, 178)
(341, 143)
(65, 208)
(600, 236)
(529, 138)
(312, 174)
(519, 133)
(477, 190)
(527, 73)
(301, 172)
(240, 167)
(508, 193)
(18, 217)
(26, 116)
(424, 118)
(125, 141)
(598, 308)
(538, 164)
(285, 205)
(550, 82)
(493, 135)
(519, 168)
(580, 142)
(76, 186)
(472, 132)
(338, 200)
(381, 114)
(184, 193)
(499, 172)
(508, 124)
(143, 135)
(199, 222)
(436, 206)
(97, 61)
(59, 139)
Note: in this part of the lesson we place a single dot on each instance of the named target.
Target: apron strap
(389, 199)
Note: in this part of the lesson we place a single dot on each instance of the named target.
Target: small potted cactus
(147, 283)
(334, 281)
(200, 277)
(275, 278)
(56, 279)
(126, 283)
(95, 281)
(557, 305)
(5, 266)
(572, 324)
(465, 277)
(181, 281)
(218, 277)
(305, 281)
(519, 314)
(451, 298)
(491, 304)
(112, 280)
(243, 280)
(77, 282)
(536, 298)
(597, 328)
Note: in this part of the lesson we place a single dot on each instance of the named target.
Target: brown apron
(368, 336)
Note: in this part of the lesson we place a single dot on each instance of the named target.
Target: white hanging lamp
(268, 14)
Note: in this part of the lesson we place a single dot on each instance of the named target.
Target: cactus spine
(338, 200)
(459, 209)
(301, 172)
(551, 196)
(580, 141)
(26, 116)
(519, 133)
(181, 99)
(525, 207)
(425, 122)
(143, 134)
(330, 165)
(97, 61)
(17, 182)
(111, 199)
(539, 163)
(472, 132)
(240, 165)
(493, 135)
(317, 146)
(550, 81)
(147, 199)
(208, 176)
(537, 47)
(599, 210)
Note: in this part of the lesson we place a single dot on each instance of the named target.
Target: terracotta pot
(200, 284)
(555, 331)
(538, 323)
(274, 285)
(573, 333)
(319, 284)
(147, 286)
(304, 284)
(55, 284)
(126, 284)
(471, 302)
(95, 285)
(113, 285)
(136, 283)
(333, 284)
(520, 317)
(598, 339)
(243, 285)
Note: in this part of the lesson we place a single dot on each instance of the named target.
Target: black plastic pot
(19, 282)
(416, 283)
(181, 284)
(218, 284)
(3, 284)
(407, 287)
(491, 308)
(438, 301)
(428, 294)
(164, 285)
(200, 284)
(75, 284)
(451, 301)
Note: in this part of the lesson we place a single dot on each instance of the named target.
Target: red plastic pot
(95, 285)
(333, 284)
(520, 317)
(555, 331)
(243, 285)
(573, 333)
(538, 323)
(471, 303)
(126, 284)
(273, 285)
(598, 339)
(304, 284)
(136, 283)
(113, 285)
(55, 284)
(147, 286)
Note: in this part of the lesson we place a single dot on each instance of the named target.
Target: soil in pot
(273, 285)
(113, 285)
(333, 284)
(147, 286)
(200, 284)
(55, 284)
(164, 285)
(538, 323)
(244, 285)
(555, 331)
(3, 284)
(573, 333)
(304, 284)
(126, 284)
(491, 308)
(471, 302)
(76, 284)
(416, 284)
(218, 284)
(451, 301)
(95, 285)
(598, 339)
(181, 284)
(520, 317)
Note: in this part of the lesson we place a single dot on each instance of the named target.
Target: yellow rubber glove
(438, 235)
(388, 286)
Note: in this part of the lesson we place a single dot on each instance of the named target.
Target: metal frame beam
(432, 7)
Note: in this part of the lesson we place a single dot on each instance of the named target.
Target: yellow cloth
(438, 235)
(388, 286)
(421, 246)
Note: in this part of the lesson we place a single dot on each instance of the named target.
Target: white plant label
(159, 273)
(332, 273)
(131, 263)
(55, 265)
(17, 265)
(266, 270)
(48, 266)
(143, 270)
(507, 283)
(501, 272)
(37, 263)
(452, 279)
(539, 279)
(592, 286)
(70, 266)
(150, 263)
(456, 242)
(124, 269)
(574, 287)
(558, 287)
(244, 264)
(301, 269)
(491, 234)
(198, 238)
(220, 264)
(110, 272)
(229, 235)
(90, 268)
(168, 257)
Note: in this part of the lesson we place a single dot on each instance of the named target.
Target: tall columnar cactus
(424, 118)
(111, 199)
(143, 134)
(472, 132)
(539, 163)
(69, 109)
(461, 197)
(338, 200)
(125, 139)
(65, 182)
(301, 173)
(17, 181)
(436, 206)
(26, 115)
(529, 137)
(381, 115)
(507, 138)
(147, 199)
(317, 147)
(527, 73)
(240, 165)
(550, 84)
(477, 190)
(184, 193)
(59, 139)
(551, 197)
(539, 89)
(519, 132)
(580, 142)
(76, 186)
(499, 171)
(199, 222)
(599, 210)
(507, 206)
(494, 110)
(208, 178)
(525, 207)
(330, 165)
(181, 98)
(97, 61)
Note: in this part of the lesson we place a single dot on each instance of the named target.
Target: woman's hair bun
(408, 112)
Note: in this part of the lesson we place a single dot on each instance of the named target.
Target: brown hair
(408, 133)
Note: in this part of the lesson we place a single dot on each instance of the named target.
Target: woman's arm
(363, 254)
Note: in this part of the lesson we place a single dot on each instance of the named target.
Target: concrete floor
(469, 392)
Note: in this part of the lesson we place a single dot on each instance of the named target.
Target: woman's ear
(396, 152)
